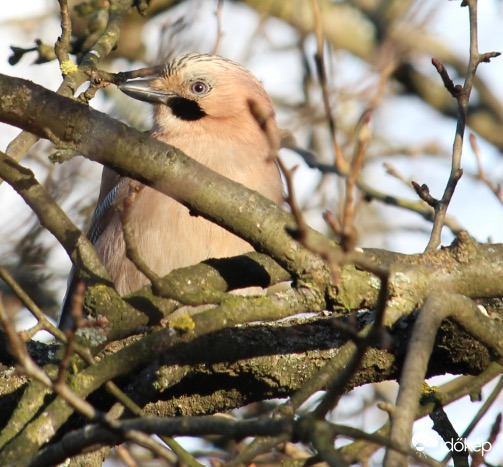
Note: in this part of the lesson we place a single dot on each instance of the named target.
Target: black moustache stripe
(185, 109)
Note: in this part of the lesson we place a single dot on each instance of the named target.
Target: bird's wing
(103, 211)
(101, 216)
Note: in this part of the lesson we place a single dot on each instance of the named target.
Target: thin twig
(126, 456)
(220, 34)
(319, 59)
(446, 393)
(424, 193)
(497, 189)
(390, 170)
(101, 76)
(130, 237)
(426, 212)
(373, 337)
(301, 232)
(454, 90)
(291, 200)
(478, 456)
(443, 426)
(77, 303)
(326, 432)
(27, 334)
(481, 412)
(349, 234)
(62, 46)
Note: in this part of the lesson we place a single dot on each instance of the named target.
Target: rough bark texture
(345, 321)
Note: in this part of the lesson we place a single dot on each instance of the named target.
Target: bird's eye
(199, 88)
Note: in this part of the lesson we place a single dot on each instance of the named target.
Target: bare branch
(436, 308)
(454, 90)
(220, 34)
(481, 175)
(462, 96)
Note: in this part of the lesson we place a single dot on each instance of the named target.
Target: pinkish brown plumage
(201, 106)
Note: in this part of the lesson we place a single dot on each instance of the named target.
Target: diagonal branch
(130, 152)
(437, 307)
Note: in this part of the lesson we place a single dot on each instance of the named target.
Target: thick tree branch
(461, 268)
(130, 152)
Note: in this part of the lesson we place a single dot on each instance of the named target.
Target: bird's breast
(167, 235)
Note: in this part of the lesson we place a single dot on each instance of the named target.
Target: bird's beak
(142, 90)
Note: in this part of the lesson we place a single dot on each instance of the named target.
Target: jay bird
(201, 105)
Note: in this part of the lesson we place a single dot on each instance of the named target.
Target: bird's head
(203, 90)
